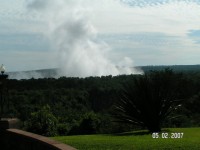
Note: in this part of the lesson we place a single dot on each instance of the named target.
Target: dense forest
(90, 105)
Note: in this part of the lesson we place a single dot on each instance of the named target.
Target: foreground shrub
(42, 122)
(150, 98)
(89, 124)
(63, 129)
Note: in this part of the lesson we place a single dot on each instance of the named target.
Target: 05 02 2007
(173, 135)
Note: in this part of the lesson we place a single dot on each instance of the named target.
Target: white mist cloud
(73, 36)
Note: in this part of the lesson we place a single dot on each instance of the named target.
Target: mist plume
(71, 33)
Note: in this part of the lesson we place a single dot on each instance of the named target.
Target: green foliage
(42, 122)
(108, 125)
(63, 129)
(89, 124)
(149, 99)
(70, 98)
(192, 106)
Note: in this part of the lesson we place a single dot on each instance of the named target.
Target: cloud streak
(146, 3)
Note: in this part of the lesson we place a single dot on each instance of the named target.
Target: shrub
(63, 129)
(42, 122)
(89, 124)
(149, 99)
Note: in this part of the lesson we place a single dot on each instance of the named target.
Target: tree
(149, 99)
(43, 122)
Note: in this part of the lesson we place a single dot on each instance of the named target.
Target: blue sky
(149, 32)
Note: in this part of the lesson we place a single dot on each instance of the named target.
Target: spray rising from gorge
(75, 39)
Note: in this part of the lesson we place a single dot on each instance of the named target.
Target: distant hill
(42, 73)
(176, 68)
(53, 73)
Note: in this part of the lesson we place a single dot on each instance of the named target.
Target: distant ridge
(176, 68)
(41, 73)
(53, 72)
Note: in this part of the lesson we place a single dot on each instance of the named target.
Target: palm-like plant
(150, 99)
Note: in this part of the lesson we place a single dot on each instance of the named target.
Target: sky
(34, 34)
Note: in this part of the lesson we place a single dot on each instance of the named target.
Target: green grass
(136, 141)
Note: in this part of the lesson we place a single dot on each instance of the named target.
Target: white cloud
(174, 18)
(111, 16)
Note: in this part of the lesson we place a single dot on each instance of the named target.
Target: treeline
(67, 106)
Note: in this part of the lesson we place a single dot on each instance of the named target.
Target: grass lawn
(136, 140)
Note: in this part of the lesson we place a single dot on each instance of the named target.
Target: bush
(63, 129)
(89, 124)
(150, 99)
(42, 122)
